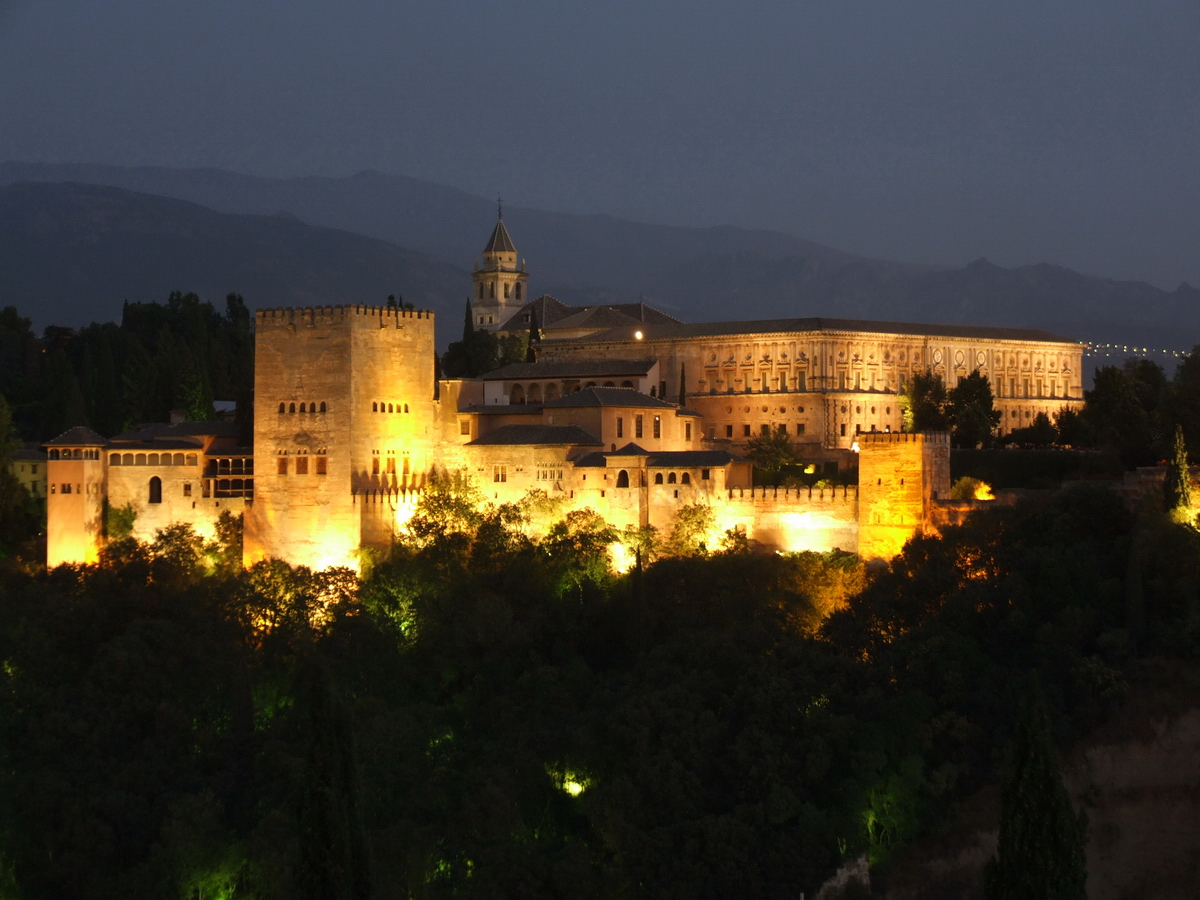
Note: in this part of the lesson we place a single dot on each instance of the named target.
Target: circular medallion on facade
(958, 358)
(783, 409)
(980, 358)
(937, 357)
(765, 409)
(843, 409)
(858, 410)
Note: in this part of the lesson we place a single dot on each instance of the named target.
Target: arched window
(623, 479)
(406, 407)
(312, 407)
(374, 407)
(54, 454)
(291, 407)
(127, 459)
(114, 459)
(178, 460)
(389, 407)
(156, 490)
(535, 393)
(518, 290)
(322, 406)
(671, 478)
(609, 384)
(140, 459)
(518, 395)
(302, 408)
(627, 384)
(685, 478)
(282, 408)
(653, 391)
(590, 384)
(551, 392)
(481, 293)
(492, 290)
(506, 287)
(658, 478)
(152, 460)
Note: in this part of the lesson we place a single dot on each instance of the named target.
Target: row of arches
(304, 408)
(152, 459)
(380, 406)
(55, 453)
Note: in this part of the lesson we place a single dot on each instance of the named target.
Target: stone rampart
(790, 519)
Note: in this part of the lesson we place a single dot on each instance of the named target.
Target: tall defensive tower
(344, 425)
(500, 287)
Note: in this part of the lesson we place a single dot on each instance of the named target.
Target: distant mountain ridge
(697, 274)
(86, 248)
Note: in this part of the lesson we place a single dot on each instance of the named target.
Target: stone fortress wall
(344, 415)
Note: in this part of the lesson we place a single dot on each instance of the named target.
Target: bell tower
(499, 286)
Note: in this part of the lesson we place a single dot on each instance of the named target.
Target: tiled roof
(547, 308)
(630, 449)
(597, 317)
(29, 452)
(500, 242)
(79, 435)
(156, 445)
(551, 312)
(153, 431)
(571, 368)
(504, 409)
(794, 326)
(607, 396)
(554, 435)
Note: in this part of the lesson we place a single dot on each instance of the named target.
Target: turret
(500, 286)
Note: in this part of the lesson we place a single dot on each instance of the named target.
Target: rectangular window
(782, 428)
(375, 465)
(1025, 386)
(301, 465)
(66, 489)
(1012, 387)
(658, 426)
(843, 429)
(1039, 387)
(391, 465)
(800, 428)
(464, 427)
(322, 465)
(745, 431)
(842, 380)
(687, 431)
(282, 463)
(704, 474)
(620, 427)
(783, 381)
(765, 428)
(33, 469)
(637, 426)
(858, 381)
(187, 489)
(499, 474)
(801, 381)
(728, 431)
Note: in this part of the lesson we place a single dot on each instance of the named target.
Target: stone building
(28, 464)
(626, 411)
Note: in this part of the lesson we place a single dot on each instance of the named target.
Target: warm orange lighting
(637, 335)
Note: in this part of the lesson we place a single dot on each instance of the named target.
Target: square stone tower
(344, 425)
(76, 492)
(900, 476)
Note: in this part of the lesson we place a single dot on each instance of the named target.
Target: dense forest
(493, 711)
(178, 355)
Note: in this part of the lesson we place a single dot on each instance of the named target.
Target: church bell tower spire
(499, 284)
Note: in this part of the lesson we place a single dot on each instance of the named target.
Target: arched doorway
(517, 396)
(623, 479)
(156, 490)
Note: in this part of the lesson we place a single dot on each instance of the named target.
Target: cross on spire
(499, 207)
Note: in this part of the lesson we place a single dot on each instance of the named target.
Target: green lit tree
(973, 416)
(1043, 841)
(1177, 488)
(771, 453)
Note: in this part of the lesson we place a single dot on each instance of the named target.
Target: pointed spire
(500, 242)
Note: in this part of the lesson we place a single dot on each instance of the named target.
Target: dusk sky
(919, 131)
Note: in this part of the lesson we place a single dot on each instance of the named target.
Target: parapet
(335, 314)
(790, 495)
(903, 437)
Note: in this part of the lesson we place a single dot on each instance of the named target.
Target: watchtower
(900, 476)
(76, 491)
(344, 425)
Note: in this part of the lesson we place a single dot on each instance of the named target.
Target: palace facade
(626, 411)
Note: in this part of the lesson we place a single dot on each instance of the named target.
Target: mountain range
(95, 234)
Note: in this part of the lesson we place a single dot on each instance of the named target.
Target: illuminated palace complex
(626, 411)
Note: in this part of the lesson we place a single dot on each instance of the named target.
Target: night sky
(918, 131)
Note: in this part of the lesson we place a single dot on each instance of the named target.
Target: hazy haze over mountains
(360, 238)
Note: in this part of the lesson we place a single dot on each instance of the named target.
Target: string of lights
(1109, 351)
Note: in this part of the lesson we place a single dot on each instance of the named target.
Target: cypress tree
(1177, 488)
(1043, 843)
(468, 325)
(535, 337)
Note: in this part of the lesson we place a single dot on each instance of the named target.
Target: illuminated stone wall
(364, 377)
(75, 510)
(183, 495)
(791, 520)
(836, 383)
(900, 476)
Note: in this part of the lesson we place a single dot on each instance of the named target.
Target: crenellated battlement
(931, 438)
(797, 496)
(286, 316)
